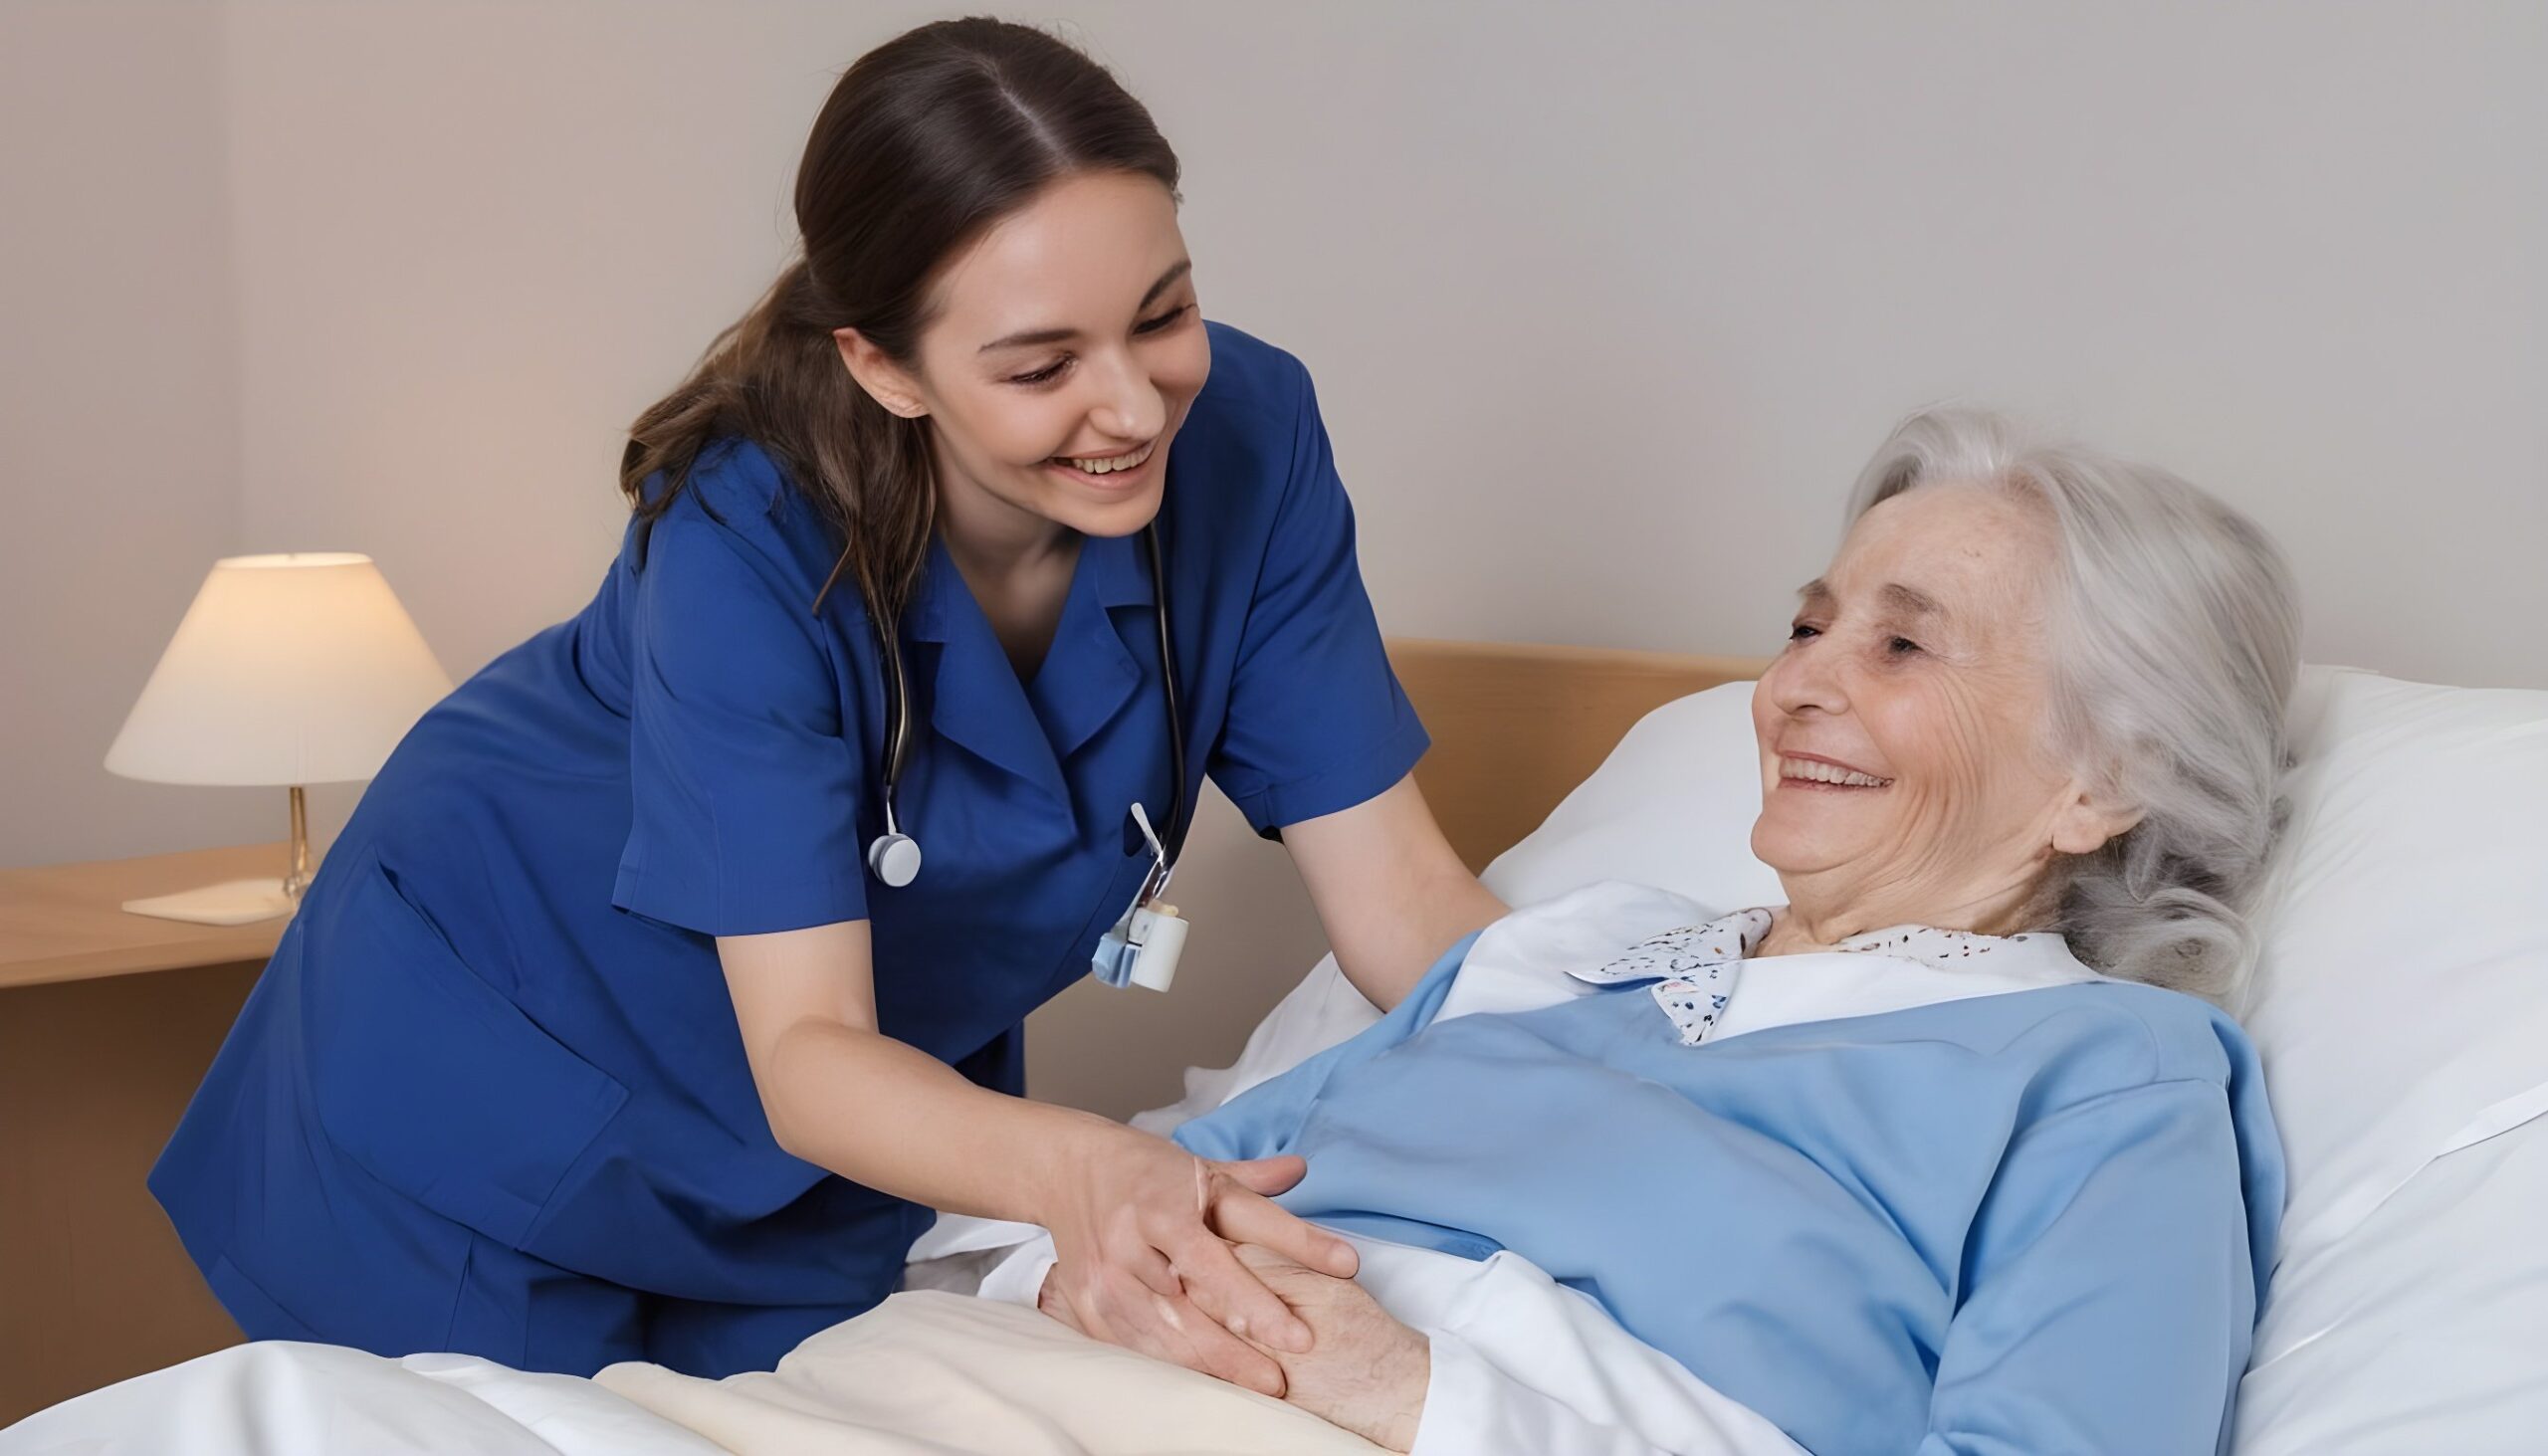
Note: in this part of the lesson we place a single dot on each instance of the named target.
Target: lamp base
(230, 903)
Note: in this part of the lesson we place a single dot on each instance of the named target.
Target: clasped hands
(1221, 1280)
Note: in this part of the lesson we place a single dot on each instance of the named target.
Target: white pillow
(2423, 1331)
(2402, 1007)
(2402, 999)
(1672, 806)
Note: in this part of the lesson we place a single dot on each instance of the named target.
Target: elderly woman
(1938, 1155)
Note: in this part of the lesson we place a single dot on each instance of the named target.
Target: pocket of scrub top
(433, 1080)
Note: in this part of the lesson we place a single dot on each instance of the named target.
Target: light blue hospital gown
(2035, 1222)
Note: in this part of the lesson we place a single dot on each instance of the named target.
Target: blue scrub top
(501, 1000)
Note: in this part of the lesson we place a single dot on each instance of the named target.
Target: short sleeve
(743, 793)
(1316, 720)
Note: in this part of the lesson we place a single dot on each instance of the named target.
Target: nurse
(599, 1038)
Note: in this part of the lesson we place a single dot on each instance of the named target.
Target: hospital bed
(2402, 1007)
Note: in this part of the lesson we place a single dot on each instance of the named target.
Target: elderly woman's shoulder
(2114, 1035)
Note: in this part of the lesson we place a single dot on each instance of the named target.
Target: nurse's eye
(1802, 631)
(1153, 325)
(1045, 375)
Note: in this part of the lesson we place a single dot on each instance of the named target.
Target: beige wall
(1606, 302)
(118, 406)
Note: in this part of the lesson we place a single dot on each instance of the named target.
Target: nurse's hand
(1143, 1231)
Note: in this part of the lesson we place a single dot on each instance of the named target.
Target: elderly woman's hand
(1145, 1259)
(1365, 1372)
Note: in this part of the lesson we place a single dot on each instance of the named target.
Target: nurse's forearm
(1452, 905)
(1391, 891)
(1387, 947)
(843, 1096)
(880, 1112)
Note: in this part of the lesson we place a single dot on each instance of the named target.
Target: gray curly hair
(2174, 643)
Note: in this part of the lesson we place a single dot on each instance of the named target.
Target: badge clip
(1143, 948)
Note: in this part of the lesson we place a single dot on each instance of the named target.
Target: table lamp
(288, 670)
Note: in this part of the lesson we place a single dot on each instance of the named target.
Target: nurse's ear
(886, 382)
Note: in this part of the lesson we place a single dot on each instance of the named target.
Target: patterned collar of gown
(1692, 970)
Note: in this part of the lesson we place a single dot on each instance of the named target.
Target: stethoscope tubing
(898, 719)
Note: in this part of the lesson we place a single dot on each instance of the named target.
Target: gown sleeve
(2112, 1292)
(1475, 1407)
(1316, 720)
(745, 793)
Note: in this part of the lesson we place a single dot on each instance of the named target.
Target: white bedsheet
(919, 1375)
(283, 1398)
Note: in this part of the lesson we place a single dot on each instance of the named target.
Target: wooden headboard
(1517, 726)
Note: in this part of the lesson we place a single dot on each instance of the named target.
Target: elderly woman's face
(1904, 760)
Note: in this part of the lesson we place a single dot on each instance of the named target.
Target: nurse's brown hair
(927, 142)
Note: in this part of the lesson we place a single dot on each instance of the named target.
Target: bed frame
(1516, 726)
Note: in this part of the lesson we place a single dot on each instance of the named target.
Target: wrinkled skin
(1365, 1372)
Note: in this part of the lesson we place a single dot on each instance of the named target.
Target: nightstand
(107, 1021)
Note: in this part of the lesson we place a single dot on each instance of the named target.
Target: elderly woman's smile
(1807, 770)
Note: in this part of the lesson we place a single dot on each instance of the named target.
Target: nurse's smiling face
(1063, 350)
(1907, 771)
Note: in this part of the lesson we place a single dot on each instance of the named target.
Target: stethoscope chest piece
(895, 858)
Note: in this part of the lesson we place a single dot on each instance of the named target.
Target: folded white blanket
(928, 1374)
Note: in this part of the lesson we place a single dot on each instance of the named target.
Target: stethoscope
(1143, 947)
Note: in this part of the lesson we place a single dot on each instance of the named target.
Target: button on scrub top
(497, 1040)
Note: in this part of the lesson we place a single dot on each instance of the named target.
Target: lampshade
(288, 670)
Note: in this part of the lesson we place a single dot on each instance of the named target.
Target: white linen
(1523, 1365)
(2402, 998)
(283, 1398)
(2424, 1330)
